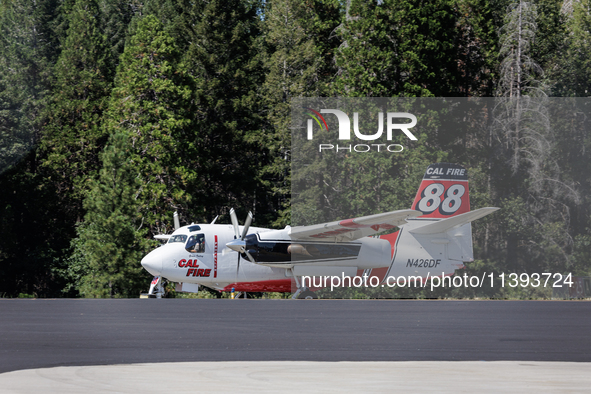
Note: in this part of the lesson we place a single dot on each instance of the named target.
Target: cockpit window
(177, 238)
(196, 244)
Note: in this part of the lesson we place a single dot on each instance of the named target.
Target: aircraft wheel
(307, 295)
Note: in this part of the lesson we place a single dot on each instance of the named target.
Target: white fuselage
(278, 258)
(216, 266)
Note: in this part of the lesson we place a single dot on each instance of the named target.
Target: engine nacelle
(365, 253)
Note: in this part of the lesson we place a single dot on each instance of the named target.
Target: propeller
(239, 245)
(177, 223)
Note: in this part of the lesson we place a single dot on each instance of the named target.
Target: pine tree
(398, 48)
(73, 134)
(575, 79)
(476, 47)
(112, 239)
(151, 101)
(144, 168)
(297, 59)
(529, 175)
(116, 18)
(549, 47)
(28, 49)
(179, 17)
(223, 61)
(519, 71)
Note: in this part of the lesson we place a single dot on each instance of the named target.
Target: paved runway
(51, 333)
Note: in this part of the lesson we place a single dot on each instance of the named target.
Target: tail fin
(440, 241)
(443, 192)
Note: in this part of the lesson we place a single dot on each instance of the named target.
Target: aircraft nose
(152, 262)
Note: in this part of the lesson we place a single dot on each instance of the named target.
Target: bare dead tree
(518, 78)
(524, 135)
(518, 70)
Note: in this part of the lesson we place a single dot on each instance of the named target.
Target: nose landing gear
(156, 289)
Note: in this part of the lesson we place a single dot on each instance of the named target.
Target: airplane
(434, 238)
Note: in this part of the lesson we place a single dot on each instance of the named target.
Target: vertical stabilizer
(443, 192)
(436, 250)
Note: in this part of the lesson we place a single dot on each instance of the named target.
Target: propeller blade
(234, 223)
(177, 223)
(246, 225)
(250, 257)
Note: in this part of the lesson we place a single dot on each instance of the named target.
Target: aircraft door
(204, 248)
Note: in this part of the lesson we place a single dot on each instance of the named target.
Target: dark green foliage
(33, 234)
(32, 224)
(573, 73)
(151, 102)
(28, 50)
(548, 47)
(398, 48)
(116, 17)
(223, 61)
(112, 239)
(195, 97)
(298, 61)
(73, 134)
(476, 47)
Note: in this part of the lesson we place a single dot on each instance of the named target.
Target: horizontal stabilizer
(453, 222)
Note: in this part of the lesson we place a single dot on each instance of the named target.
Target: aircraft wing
(350, 229)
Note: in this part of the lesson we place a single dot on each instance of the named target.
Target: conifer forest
(116, 113)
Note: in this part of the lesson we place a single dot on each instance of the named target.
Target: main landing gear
(303, 292)
(307, 295)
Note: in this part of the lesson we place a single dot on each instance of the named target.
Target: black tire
(307, 295)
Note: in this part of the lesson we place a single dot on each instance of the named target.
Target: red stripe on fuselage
(392, 239)
(277, 285)
(215, 257)
(380, 273)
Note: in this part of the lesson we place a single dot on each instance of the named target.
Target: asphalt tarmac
(57, 333)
